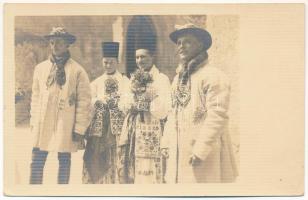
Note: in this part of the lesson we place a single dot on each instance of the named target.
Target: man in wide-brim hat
(60, 105)
(59, 32)
(195, 140)
(202, 35)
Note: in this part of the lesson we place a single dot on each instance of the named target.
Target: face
(188, 46)
(59, 46)
(144, 59)
(110, 64)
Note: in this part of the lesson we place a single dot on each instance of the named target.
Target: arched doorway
(140, 29)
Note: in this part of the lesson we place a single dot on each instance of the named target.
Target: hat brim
(68, 37)
(201, 34)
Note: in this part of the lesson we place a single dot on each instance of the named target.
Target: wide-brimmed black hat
(110, 49)
(60, 32)
(200, 33)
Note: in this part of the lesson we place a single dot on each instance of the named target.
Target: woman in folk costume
(196, 138)
(149, 103)
(103, 134)
(60, 104)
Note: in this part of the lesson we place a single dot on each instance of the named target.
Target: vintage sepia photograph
(139, 99)
(153, 102)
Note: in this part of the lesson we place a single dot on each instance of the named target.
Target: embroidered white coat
(201, 130)
(148, 134)
(74, 116)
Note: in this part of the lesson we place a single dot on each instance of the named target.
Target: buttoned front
(57, 112)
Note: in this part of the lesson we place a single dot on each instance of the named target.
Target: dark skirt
(100, 159)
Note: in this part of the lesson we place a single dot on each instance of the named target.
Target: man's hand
(133, 108)
(194, 160)
(165, 152)
(79, 139)
(139, 105)
(143, 106)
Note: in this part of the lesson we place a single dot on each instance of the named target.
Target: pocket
(199, 114)
(72, 99)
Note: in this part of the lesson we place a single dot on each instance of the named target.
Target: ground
(22, 163)
(23, 160)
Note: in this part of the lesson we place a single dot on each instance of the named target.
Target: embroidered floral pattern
(111, 86)
(140, 80)
(148, 140)
(99, 122)
(182, 95)
(154, 171)
(116, 120)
